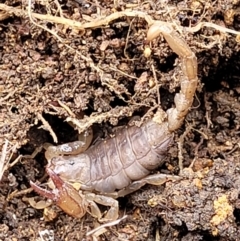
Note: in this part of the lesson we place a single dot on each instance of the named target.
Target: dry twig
(105, 20)
(3, 158)
(48, 127)
(103, 226)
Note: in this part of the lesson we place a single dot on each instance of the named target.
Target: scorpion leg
(112, 213)
(156, 179)
(71, 148)
(184, 99)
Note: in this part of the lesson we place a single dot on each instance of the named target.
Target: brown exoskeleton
(120, 165)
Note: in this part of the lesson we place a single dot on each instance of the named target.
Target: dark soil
(102, 76)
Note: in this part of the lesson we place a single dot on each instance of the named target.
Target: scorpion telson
(121, 165)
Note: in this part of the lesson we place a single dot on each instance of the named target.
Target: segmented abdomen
(129, 156)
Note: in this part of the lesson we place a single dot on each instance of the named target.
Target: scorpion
(122, 164)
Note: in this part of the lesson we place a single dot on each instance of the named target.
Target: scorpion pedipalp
(65, 195)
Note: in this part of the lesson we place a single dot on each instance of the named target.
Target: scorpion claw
(58, 182)
(43, 192)
(65, 196)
